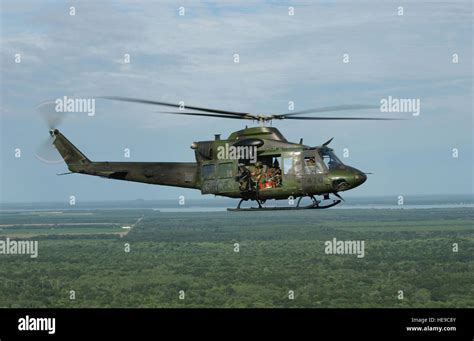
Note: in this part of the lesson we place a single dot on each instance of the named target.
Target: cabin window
(310, 165)
(208, 171)
(288, 165)
(226, 170)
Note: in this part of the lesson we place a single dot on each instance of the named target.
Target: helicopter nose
(348, 179)
(359, 178)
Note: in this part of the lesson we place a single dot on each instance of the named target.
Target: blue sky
(282, 58)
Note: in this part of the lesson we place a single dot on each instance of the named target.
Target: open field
(41, 223)
(279, 252)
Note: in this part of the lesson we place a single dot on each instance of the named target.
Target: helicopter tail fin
(71, 155)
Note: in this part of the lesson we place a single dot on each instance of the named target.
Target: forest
(412, 258)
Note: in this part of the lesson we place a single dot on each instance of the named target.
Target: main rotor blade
(173, 105)
(341, 118)
(269, 118)
(248, 116)
(329, 109)
(208, 115)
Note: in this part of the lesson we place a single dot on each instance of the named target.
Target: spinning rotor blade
(249, 116)
(328, 109)
(47, 153)
(173, 105)
(52, 117)
(294, 115)
(200, 114)
(339, 118)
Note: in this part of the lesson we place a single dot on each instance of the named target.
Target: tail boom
(178, 174)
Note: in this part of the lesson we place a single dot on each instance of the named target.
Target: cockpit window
(330, 159)
(313, 165)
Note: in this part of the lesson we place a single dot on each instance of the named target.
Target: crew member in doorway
(276, 174)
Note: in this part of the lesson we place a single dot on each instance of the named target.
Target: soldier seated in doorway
(276, 174)
(258, 175)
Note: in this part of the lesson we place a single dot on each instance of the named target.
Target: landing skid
(314, 205)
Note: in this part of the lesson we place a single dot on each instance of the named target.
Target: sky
(282, 58)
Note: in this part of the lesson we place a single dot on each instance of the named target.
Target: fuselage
(254, 163)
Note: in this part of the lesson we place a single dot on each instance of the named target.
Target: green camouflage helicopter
(255, 163)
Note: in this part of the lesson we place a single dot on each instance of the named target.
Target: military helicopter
(256, 163)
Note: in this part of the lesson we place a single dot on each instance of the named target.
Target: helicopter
(253, 164)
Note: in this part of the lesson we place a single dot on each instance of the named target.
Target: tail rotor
(46, 152)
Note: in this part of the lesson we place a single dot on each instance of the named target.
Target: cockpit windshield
(329, 158)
